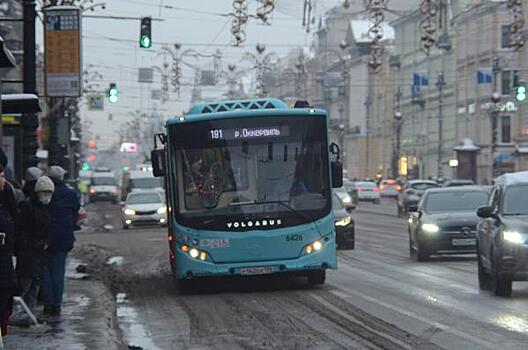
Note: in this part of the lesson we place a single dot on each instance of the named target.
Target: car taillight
(376, 190)
(398, 188)
(359, 190)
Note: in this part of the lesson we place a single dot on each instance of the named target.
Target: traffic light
(521, 93)
(145, 33)
(91, 144)
(113, 94)
(92, 158)
(85, 166)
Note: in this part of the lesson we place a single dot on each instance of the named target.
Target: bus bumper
(187, 267)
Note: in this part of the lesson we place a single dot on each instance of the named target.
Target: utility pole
(440, 83)
(29, 121)
(398, 126)
(495, 97)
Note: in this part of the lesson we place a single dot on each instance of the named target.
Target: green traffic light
(86, 166)
(521, 93)
(145, 42)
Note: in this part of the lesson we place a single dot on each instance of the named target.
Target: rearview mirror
(486, 212)
(412, 208)
(157, 157)
(337, 174)
(349, 207)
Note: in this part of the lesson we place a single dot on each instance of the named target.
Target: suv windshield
(515, 200)
(144, 198)
(366, 185)
(455, 201)
(103, 181)
(251, 168)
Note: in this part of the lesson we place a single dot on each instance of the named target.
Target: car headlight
(162, 210)
(130, 212)
(430, 228)
(344, 221)
(514, 237)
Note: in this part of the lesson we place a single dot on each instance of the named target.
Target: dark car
(502, 235)
(458, 182)
(412, 193)
(445, 221)
(344, 224)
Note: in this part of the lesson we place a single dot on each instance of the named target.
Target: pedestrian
(63, 211)
(31, 239)
(19, 194)
(30, 177)
(8, 283)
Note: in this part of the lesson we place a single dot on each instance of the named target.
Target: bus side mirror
(159, 164)
(337, 174)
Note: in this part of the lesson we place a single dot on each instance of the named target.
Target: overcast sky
(110, 47)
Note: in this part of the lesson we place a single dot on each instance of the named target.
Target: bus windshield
(252, 169)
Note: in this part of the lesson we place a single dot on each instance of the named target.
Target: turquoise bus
(248, 186)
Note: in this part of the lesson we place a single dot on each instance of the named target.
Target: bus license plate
(464, 241)
(263, 270)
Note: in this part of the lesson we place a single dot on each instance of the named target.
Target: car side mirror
(412, 208)
(349, 207)
(122, 204)
(486, 212)
(159, 164)
(337, 174)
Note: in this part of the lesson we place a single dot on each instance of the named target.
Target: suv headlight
(344, 221)
(430, 228)
(162, 210)
(514, 237)
(130, 212)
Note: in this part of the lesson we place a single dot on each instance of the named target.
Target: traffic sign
(62, 35)
(95, 102)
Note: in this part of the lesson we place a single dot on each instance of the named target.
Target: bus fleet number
(295, 237)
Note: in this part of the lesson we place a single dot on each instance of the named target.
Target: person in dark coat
(31, 239)
(8, 283)
(30, 179)
(63, 211)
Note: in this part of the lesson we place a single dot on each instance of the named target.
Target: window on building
(505, 124)
(509, 80)
(505, 36)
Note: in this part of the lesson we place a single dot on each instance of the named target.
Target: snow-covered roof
(360, 30)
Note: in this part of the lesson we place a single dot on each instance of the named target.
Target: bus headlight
(343, 222)
(130, 212)
(313, 247)
(162, 210)
(194, 253)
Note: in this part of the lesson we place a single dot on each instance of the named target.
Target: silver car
(143, 208)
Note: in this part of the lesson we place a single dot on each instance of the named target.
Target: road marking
(441, 326)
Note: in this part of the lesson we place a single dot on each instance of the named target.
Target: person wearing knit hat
(32, 225)
(56, 173)
(30, 179)
(63, 211)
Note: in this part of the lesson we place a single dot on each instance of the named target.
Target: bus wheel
(316, 277)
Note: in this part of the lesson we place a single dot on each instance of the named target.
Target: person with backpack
(8, 281)
(31, 239)
(63, 211)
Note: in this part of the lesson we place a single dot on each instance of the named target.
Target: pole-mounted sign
(62, 35)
